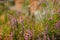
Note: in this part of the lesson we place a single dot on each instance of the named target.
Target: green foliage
(1, 22)
(43, 4)
(30, 23)
(26, 3)
(6, 29)
(1, 9)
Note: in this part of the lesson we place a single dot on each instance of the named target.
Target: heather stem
(44, 37)
(53, 37)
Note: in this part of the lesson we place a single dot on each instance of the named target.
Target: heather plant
(43, 24)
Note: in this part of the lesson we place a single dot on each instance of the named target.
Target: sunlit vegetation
(29, 19)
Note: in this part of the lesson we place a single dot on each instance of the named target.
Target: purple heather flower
(11, 33)
(39, 38)
(55, 1)
(11, 36)
(50, 19)
(28, 35)
(20, 20)
(58, 10)
(13, 23)
(13, 20)
(48, 37)
(57, 25)
(41, 1)
(18, 12)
